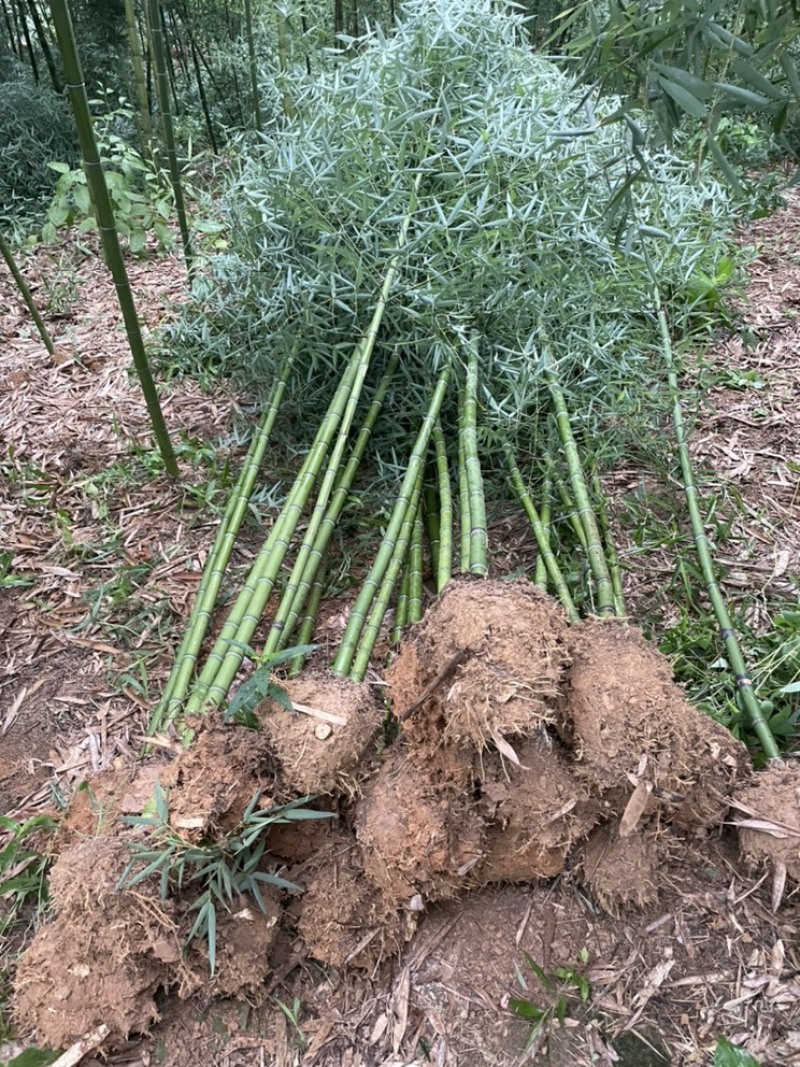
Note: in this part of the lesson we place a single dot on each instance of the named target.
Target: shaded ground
(709, 957)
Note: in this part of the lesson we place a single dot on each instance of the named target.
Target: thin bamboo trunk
(444, 570)
(44, 44)
(251, 52)
(736, 659)
(594, 545)
(162, 88)
(358, 616)
(550, 562)
(22, 285)
(134, 40)
(108, 230)
(26, 33)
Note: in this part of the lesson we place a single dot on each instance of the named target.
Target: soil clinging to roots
(527, 748)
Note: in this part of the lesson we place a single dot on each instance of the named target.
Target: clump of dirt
(211, 783)
(319, 752)
(417, 835)
(343, 921)
(772, 800)
(526, 748)
(626, 721)
(499, 649)
(244, 938)
(104, 955)
(536, 810)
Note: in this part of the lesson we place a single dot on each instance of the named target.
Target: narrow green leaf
(683, 98)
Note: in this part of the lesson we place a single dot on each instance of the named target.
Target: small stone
(322, 732)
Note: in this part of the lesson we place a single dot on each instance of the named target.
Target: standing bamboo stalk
(163, 93)
(22, 285)
(134, 40)
(108, 229)
(251, 53)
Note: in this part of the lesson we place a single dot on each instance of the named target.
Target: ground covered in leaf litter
(637, 867)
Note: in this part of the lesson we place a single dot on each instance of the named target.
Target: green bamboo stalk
(401, 608)
(573, 518)
(431, 512)
(478, 535)
(214, 571)
(223, 661)
(610, 547)
(734, 652)
(416, 560)
(550, 562)
(355, 624)
(464, 519)
(339, 498)
(105, 220)
(540, 572)
(25, 293)
(594, 545)
(251, 53)
(41, 36)
(383, 597)
(145, 124)
(167, 130)
(309, 620)
(444, 570)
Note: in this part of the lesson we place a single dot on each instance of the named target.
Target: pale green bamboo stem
(309, 620)
(249, 606)
(355, 623)
(401, 609)
(734, 652)
(383, 597)
(444, 571)
(610, 547)
(416, 588)
(553, 569)
(340, 495)
(431, 510)
(214, 571)
(594, 545)
(463, 492)
(540, 572)
(478, 532)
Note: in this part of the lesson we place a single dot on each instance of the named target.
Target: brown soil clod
(769, 818)
(104, 955)
(318, 751)
(626, 721)
(621, 871)
(418, 836)
(535, 813)
(343, 921)
(507, 640)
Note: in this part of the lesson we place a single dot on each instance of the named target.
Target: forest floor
(100, 556)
